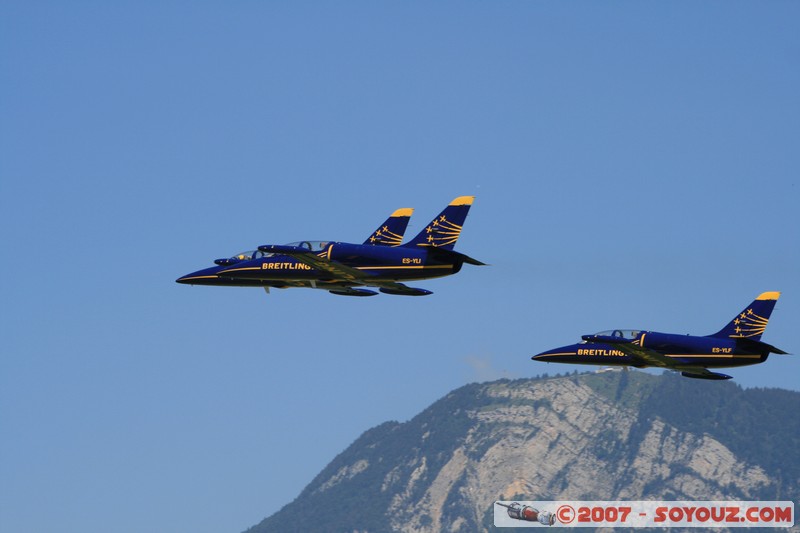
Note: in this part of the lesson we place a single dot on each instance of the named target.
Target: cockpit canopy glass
(252, 254)
(630, 334)
(314, 246)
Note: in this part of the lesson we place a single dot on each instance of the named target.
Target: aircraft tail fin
(751, 322)
(391, 232)
(444, 230)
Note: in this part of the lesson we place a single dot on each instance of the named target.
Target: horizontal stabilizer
(758, 347)
(706, 375)
(442, 254)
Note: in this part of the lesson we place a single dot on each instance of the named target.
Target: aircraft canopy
(252, 254)
(630, 334)
(314, 246)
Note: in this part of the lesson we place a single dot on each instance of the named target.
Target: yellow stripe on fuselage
(714, 355)
(242, 269)
(420, 267)
(414, 267)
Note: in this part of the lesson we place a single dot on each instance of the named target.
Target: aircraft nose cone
(201, 277)
(556, 355)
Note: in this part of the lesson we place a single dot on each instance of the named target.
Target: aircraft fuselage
(378, 263)
(685, 350)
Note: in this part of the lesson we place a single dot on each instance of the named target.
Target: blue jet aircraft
(344, 269)
(737, 344)
(390, 233)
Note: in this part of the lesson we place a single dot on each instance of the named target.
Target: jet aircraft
(390, 233)
(344, 269)
(737, 344)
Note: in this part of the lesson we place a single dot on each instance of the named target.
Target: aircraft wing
(318, 261)
(653, 358)
(644, 355)
(341, 272)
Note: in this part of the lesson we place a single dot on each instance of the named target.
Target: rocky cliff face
(587, 437)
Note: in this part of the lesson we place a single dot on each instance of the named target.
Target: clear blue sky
(635, 165)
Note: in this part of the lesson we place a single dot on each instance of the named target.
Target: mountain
(615, 435)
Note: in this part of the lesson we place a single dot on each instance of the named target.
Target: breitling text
(601, 352)
(284, 266)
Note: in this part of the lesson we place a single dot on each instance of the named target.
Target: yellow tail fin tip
(774, 295)
(463, 200)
